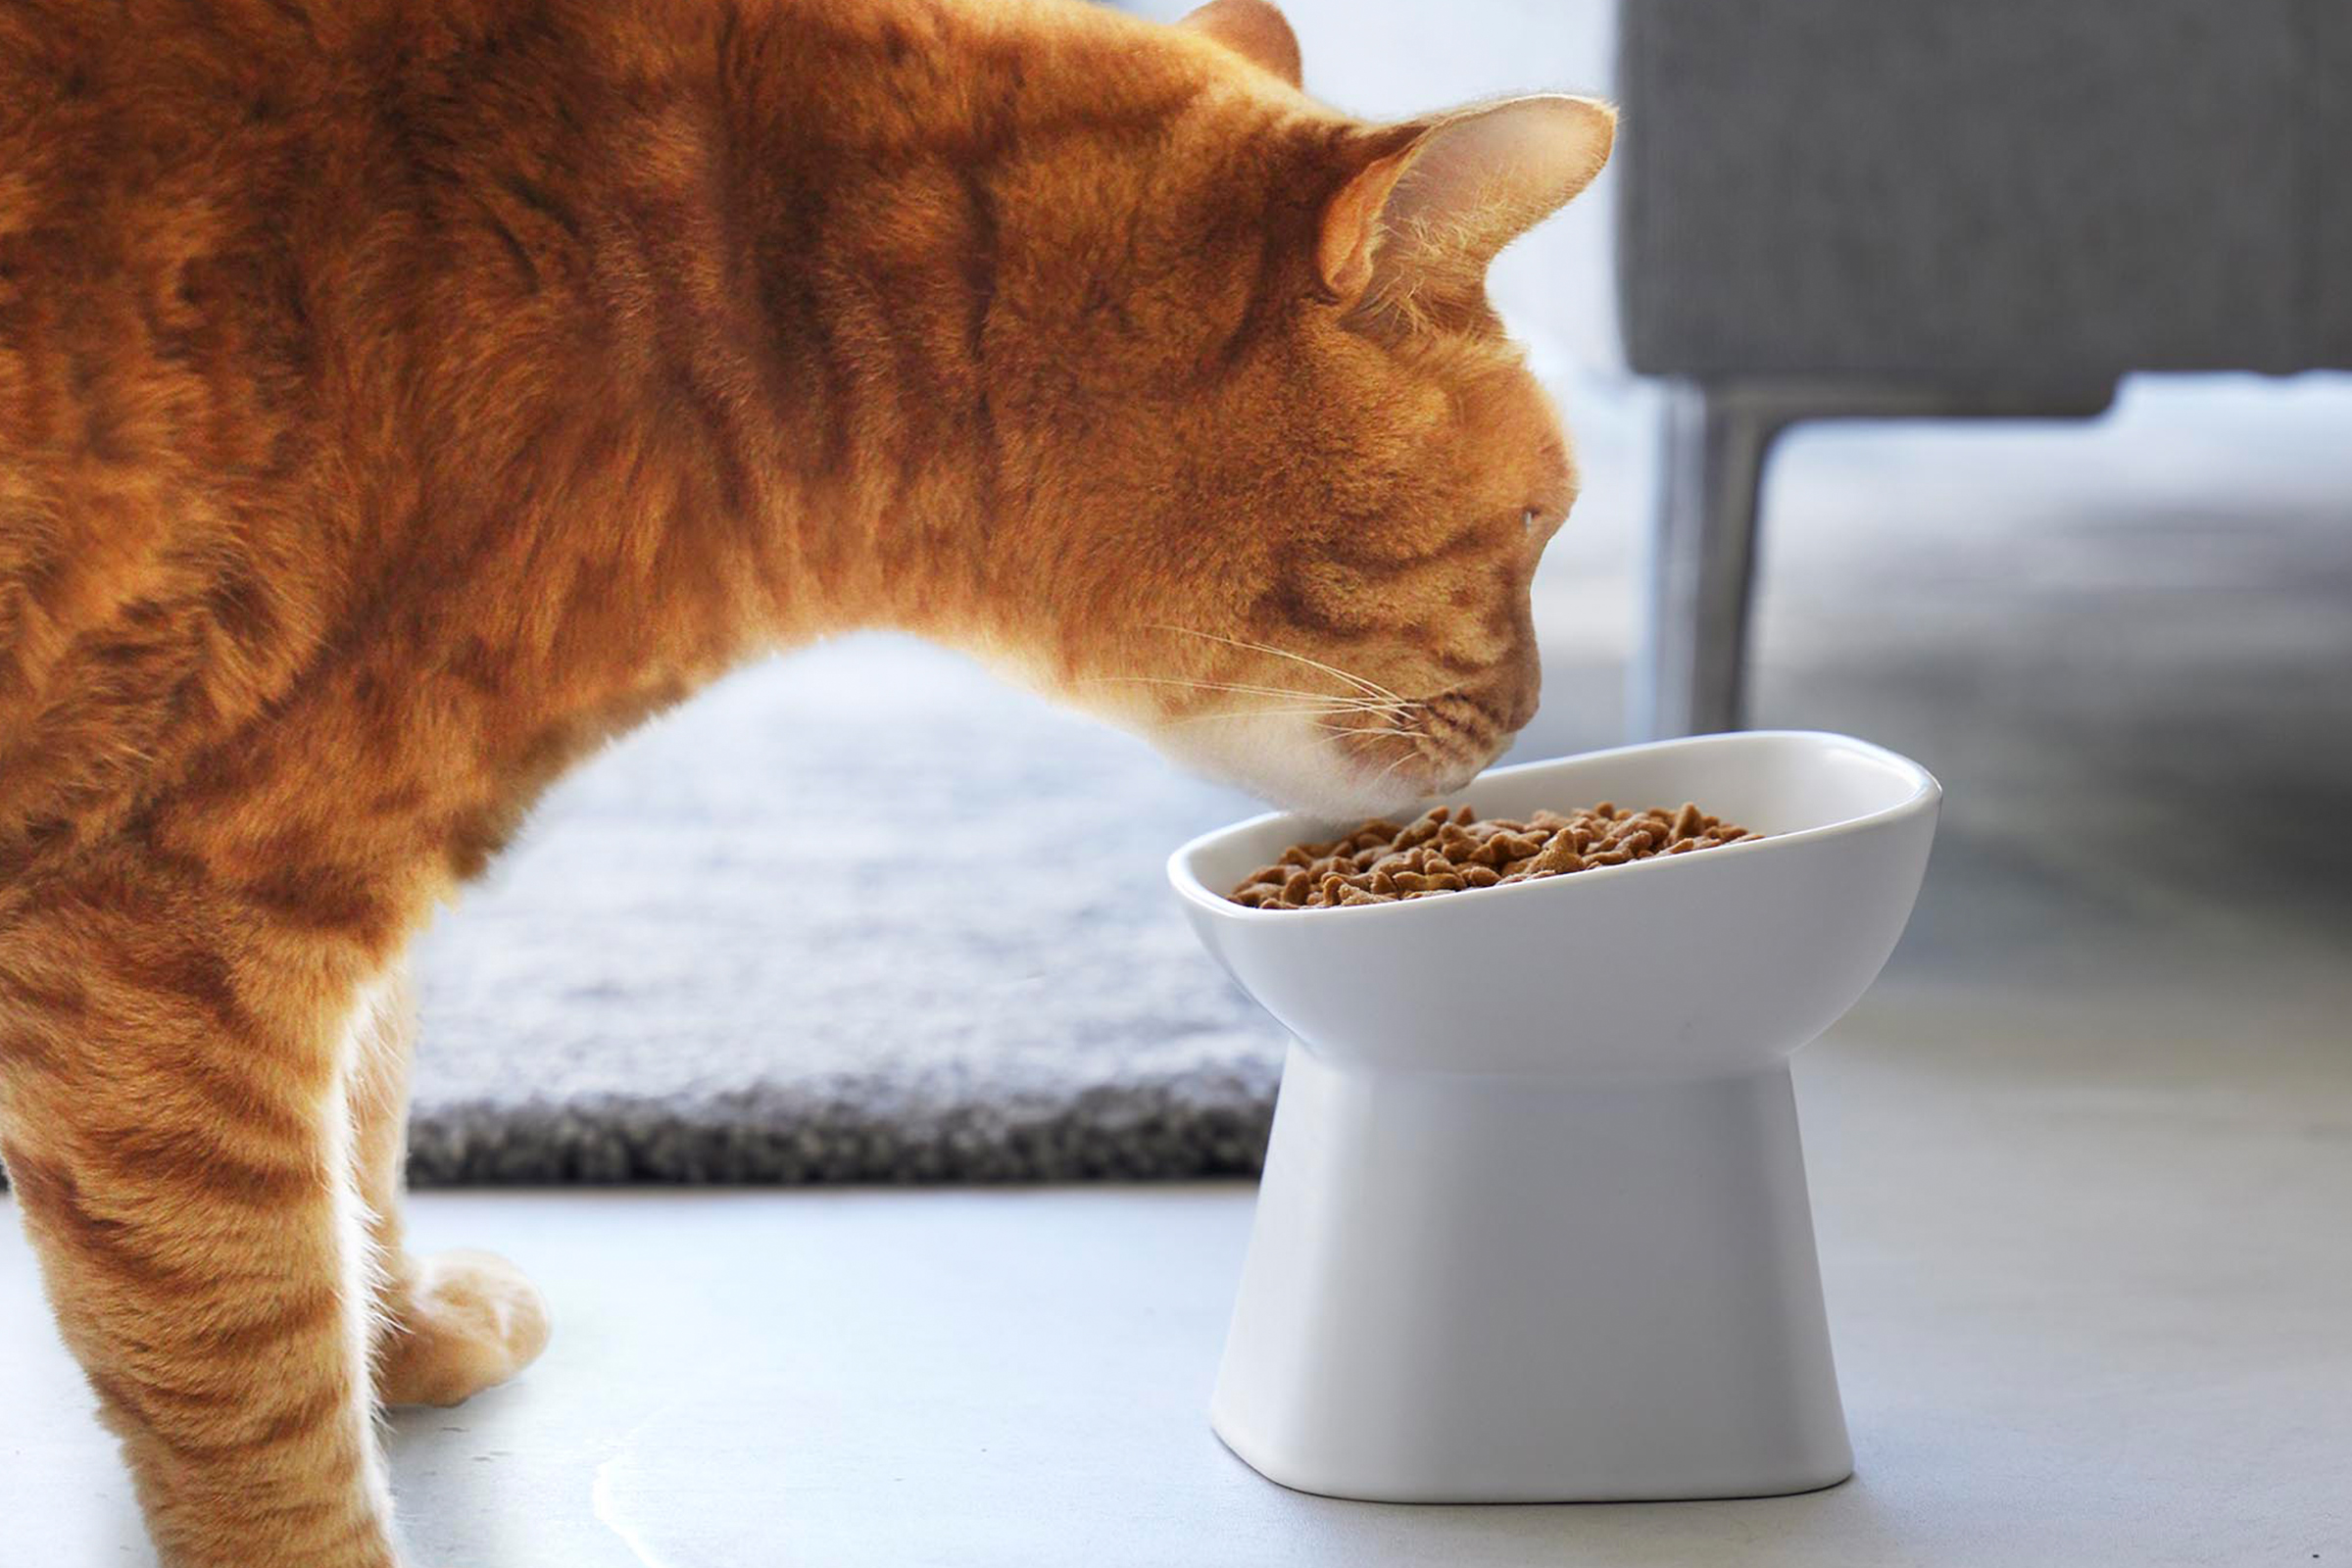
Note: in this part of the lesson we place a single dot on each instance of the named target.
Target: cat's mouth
(1438, 753)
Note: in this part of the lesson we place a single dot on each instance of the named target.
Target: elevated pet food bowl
(1534, 1223)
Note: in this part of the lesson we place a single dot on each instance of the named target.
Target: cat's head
(1287, 479)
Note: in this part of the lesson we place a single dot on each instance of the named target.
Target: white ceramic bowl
(1534, 1223)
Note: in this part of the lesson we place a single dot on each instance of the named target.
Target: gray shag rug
(864, 915)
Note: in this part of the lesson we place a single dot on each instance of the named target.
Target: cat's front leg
(175, 1119)
(453, 1324)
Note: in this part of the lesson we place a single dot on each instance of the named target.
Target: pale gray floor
(2079, 1319)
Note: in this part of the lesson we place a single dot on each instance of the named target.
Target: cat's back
(160, 168)
(157, 164)
(271, 274)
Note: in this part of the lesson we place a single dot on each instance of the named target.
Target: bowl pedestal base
(1493, 1287)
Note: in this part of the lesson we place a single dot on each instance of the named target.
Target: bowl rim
(1925, 794)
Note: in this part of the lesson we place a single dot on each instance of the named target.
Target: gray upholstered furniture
(1853, 208)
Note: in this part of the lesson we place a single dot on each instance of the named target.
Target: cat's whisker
(1220, 685)
(1289, 711)
(1359, 732)
(1362, 704)
(1370, 688)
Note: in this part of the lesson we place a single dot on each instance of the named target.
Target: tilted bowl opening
(1779, 783)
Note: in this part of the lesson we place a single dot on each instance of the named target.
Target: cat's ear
(1253, 29)
(1458, 189)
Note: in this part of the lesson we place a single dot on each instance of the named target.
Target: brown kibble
(1418, 834)
(1557, 857)
(1451, 851)
(1511, 846)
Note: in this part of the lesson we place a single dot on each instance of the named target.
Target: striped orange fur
(398, 397)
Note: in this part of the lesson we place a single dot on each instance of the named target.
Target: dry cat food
(1452, 851)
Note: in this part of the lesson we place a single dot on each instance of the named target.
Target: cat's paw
(467, 1322)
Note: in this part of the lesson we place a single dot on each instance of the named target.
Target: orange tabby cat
(400, 397)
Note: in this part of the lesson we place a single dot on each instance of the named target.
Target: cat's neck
(895, 158)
